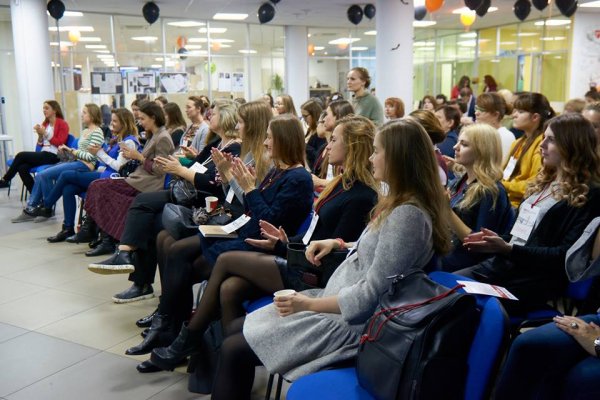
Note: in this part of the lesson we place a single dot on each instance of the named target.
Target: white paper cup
(211, 203)
(284, 293)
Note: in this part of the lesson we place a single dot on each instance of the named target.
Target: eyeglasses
(479, 109)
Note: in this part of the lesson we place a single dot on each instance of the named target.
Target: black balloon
(274, 1)
(56, 9)
(420, 12)
(370, 11)
(483, 8)
(567, 7)
(540, 4)
(150, 11)
(182, 51)
(473, 4)
(355, 14)
(522, 8)
(266, 12)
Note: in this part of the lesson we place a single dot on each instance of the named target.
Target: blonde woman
(477, 198)
(284, 104)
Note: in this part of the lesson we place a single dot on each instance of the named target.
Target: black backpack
(417, 343)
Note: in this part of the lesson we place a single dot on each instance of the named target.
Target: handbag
(301, 271)
(417, 343)
(128, 168)
(182, 222)
(183, 192)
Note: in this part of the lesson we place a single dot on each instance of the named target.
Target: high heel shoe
(160, 323)
(186, 344)
(146, 321)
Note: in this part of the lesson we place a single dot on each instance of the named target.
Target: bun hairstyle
(364, 75)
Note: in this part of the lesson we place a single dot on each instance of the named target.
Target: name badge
(311, 228)
(525, 222)
(199, 168)
(237, 224)
(229, 197)
(330, 172)
(510, 167)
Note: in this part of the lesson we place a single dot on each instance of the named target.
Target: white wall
(585, 54)
(324, 71)
(8, 88)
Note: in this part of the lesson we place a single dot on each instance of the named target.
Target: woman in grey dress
(307, 331)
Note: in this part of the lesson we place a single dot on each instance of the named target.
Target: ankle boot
(160, 322)
(187, 343)
(62, 235)
(86, 233)
(146, 321)
(107, 246)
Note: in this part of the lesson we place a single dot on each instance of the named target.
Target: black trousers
(143, 223)
(26, 160)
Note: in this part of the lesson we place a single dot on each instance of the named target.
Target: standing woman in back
(364, 103)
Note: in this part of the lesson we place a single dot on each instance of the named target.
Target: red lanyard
(540, 198)
(267, 182)
(327, 199)
(461, 186)
(320, 159)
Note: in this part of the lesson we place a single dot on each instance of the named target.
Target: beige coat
(149, 177)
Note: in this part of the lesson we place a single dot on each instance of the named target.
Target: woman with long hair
(311, 110)
(490, 84)
(51, 134)
(477, 198)
(490, 109)
(436, 133)
(559, 202)
(342, 211)
(284, 104)
(428, 103)
(174, 122)
(196, 136)
(531, 111)
(364, 103)
(463, 82)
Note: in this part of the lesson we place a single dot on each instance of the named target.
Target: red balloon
(433, 5)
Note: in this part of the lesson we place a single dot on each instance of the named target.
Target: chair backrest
(489, 343)
(72, 141)
(579, 290)
(305, 225)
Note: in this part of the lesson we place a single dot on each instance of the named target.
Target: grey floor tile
(30, 357)
(101, 377)
(179, 391)
(8, 332)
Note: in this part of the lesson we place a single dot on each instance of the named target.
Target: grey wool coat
(306, 342)
(579, 264)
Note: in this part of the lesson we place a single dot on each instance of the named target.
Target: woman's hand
(584, 333)
(449, 162)
(189, 152)
(245, 177)
(169, 165)
(65, 148)
(223, 162)
(318, 249)
(94, 149)
(39, 129)
(288, 305)
(486, 241)
(271, 236)
(131, 154)
(318, 182)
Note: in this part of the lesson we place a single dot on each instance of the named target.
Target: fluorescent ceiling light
(53, 64)
(359, 48)
(467, 9)
(591, 4)
(426, 48)
(423, 44)
(145, 38)
(526, 34)
(423, 24)
(159, 59)
(248, 51)
(467, 43)
(95, 46)
(212, 30)
(72, 28)
(186, 24)
(78, 66)
(197, 53)
(193, 46)
(551, 38)
(224, 46)
(495, 60)
(507, 43)
(204, 40)
(344, 41)
(62, 44)
(104, 56)
(156, 66)
(102, 51)
(319, 48)
(70, 14)
(89, 39)
(230, 16)
(468, 35)
(553, 22)
(370, 33)
(130, 68)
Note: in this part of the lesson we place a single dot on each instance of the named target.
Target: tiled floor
(61, 336)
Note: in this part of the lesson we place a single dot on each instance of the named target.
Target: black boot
(187, 343)
(146, 321)
(62, 235)
(160, 322)
(107, 246)
(4, 184)
(86, 233)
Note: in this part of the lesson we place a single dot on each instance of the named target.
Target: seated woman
(477, 198)
(51, 134)
(436, 133)
(82, 161)
(559, 360)
(144, 217)
(174, 122)
(490, 109)
(559, 203)
(108, 200)
(311, 110)
(284, 104)
(343, 210)
(72, 183)
(449, 118)
(394, 108)
(284, 198)
(531, 111)
(407, 228)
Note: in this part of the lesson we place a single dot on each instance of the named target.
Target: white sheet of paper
(486, 289)
(199, 168)
(525, 222)
(229, 197)
(237, 224)
(311, 228)
(510, 167)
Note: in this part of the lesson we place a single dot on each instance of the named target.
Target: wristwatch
(597, 346)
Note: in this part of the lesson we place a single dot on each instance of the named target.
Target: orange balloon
(216, 46)
(433, 5)
(467, 18)
(181, 41)
(311, 49)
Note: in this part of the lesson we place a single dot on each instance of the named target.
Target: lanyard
(320, 159)
(273, 176)
(540, 198)
(461, 186)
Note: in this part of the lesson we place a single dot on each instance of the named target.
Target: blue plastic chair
(485, 355)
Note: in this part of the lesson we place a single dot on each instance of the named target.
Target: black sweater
(206, 181)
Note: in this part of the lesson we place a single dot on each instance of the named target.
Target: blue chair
(484, 358)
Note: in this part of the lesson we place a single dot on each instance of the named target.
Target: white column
(296, 64)
(394, 51)
(585, 54)
(32, 58)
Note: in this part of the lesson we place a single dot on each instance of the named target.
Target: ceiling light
(507, 43)
(193, 46)
(156, 66)
(62, 44)
(467, 43)
(89, 39)
(370, 33)
(423, 24)
(230, 16)
(102, 51)
(319, 48)
(423, 44)
(359, 48)
(186, 24)
(526, 34)
(344, 41)
(72, 28)
(426, 48)
(495, 60)
(78, 66)
(159, 59)
(222, 40)
(591, 4)
(53, 64)
(466, 9)
(95, 46)
(248, 51)
(468, 35)
(70, 14)
(105, 56)
(224, 46)
(145, 38)
(212, 30)
(197, 53)
(553, 22)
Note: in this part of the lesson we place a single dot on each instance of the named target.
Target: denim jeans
(68, 185)
(44, 181)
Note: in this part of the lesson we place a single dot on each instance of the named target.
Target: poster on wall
(173, 82)
(237, 84)
(107, 83)
(141, 82)
(224, 82)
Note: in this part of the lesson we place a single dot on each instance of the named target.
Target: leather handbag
(303, 272)
(128, 168)
(182, 222)
(183, 192)
(417, 343)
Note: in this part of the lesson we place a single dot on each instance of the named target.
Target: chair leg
(269, 387)
(278, 390)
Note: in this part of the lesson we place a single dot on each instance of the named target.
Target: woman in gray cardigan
(323, 326)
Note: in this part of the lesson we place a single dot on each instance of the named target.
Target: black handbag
(128, 168)
(183, 192)
(302, 272)
(182, 222)
(417, 343)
